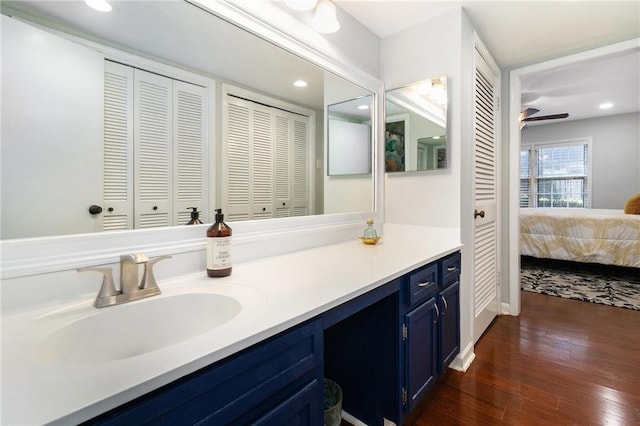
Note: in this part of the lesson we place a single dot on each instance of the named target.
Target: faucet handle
(148, 279)
(108, 288)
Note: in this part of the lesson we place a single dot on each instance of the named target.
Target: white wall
(441, 46)
(425, 51)
(343, 193)
(616, 149)
(39, 72)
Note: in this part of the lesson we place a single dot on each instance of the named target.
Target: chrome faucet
(131, 288)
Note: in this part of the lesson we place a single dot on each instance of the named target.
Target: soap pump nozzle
(195, 216)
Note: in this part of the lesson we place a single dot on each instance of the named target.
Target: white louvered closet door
(118, 147)
(190, 169)
(282, 165)
(261, 136)
(301, 166)
(235, 154)
(152, 150)
(486, 301)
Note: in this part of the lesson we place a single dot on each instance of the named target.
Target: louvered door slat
(118, 147)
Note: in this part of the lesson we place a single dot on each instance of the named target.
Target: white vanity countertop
(281, 292)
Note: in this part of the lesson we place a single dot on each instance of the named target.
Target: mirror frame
(33, 256)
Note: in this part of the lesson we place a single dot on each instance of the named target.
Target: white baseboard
(464, 359)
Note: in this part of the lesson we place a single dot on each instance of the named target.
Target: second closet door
(152, 144)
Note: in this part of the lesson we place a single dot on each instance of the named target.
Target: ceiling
(519, 33)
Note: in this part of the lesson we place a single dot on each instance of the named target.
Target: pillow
(633, 205)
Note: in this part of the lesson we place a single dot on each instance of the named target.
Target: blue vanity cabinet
(276, 382)
(419, 330)
(430, 317)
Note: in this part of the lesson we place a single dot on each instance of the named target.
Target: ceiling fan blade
(547, 117)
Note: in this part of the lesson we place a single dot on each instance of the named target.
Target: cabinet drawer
(421, 284)
(450, 266)
(240, 389)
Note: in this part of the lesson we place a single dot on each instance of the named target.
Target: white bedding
(581, 235)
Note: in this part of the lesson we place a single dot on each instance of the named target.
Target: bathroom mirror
(349, 137)
(416, 126)
(183, 37)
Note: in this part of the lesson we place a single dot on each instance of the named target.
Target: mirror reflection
(158, 108)
(416, 126)
(350, 137)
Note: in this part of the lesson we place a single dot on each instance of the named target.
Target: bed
(609, 237)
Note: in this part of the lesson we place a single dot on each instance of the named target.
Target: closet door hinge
(404, 332)
(404, 396)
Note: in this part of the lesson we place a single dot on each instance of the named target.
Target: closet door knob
(477, 213)
(155, 208)
(94, 209)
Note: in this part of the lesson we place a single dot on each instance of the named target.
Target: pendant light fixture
(324, 19)
(99, 5)
(301, 5)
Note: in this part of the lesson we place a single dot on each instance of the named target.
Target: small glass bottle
(370, 231)
(219, 247)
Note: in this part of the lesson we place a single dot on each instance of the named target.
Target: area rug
(606, 285)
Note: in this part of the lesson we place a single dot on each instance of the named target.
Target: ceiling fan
(526, 116)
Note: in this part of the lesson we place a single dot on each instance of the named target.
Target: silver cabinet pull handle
(446, 305)
(424, 284)
(435, 321)
(451, 268)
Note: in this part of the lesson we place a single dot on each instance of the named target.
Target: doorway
(513, 197)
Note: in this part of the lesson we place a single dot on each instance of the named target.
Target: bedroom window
(555, 174)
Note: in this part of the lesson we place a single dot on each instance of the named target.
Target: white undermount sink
(136, 328)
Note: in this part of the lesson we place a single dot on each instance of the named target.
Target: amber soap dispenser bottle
(219, 248)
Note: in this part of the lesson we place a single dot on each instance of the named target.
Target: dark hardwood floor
(561, 362)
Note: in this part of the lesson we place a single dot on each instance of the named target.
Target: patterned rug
(607, 285)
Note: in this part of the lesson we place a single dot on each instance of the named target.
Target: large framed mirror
(51, 186)
(416, 126)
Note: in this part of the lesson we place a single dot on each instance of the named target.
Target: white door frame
(516, 76)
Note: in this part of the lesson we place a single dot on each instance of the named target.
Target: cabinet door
(449, 333)
(302, 409)
(420, 359)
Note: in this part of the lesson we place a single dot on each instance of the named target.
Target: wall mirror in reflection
(349, 137)
(416, 126)
(134, 129)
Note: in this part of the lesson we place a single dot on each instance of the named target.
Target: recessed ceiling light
(99, 5)
(300, 83)
(606, 105)
(363, 107)
(436, 137)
